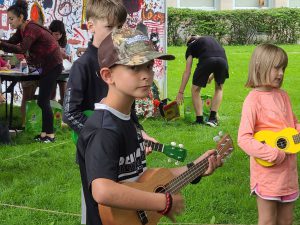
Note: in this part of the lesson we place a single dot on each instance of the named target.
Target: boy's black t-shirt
(110, 146)
(205, 47)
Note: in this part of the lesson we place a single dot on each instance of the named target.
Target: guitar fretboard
(155, 146)
(188, 176)
(296, 138)
(198, 169)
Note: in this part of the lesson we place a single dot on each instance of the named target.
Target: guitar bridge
(143, 217)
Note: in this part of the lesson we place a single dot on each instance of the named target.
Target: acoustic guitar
(159, 180)
(287, 140)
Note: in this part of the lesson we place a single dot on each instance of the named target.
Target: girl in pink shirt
(267, 107)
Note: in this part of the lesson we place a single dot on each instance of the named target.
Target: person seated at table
(59, 32)
(3, 66)
(41, 50)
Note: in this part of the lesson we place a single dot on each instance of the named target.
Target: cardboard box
(171, 111)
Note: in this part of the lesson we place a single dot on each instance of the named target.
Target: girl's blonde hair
(264, 58)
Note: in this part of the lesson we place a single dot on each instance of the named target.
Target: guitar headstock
(224, 145)
(176, 152)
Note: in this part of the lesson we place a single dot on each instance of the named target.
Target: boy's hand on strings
(148, 149)
(214, 161)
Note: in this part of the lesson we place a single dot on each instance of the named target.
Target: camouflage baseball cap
(128, 47)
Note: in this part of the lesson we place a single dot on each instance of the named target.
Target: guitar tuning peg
(173, 143)
(216, 138)
(177, 163)
(180, 145)
(169, 160)
(220, 133)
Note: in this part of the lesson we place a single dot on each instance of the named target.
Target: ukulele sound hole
(160, 189)
(281, 143)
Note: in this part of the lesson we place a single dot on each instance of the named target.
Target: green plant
(235, 27)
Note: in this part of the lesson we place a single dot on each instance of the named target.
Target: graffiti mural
(149, 17)
(44, 11)
(149, 14)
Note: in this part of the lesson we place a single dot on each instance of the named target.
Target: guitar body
(160, 180)
(152, 181)
(282, 140)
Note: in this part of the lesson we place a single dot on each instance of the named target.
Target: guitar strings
(190, 174)
(152, 145)
(296, 138)
(171, 189)
(193, 172)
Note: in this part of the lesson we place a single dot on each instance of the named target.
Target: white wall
(231, 4)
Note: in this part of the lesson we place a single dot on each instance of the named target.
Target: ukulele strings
(296, 138)
(151, 144)
(190, 174)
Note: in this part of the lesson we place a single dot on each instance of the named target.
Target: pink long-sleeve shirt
(269, 110)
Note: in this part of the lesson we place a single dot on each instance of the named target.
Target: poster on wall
(149, 17)
(145, 15)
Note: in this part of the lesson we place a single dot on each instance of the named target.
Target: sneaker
(197, 123)
(37, 137)
(212, 123)
(47, 139)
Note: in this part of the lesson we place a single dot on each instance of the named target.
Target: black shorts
(216, 65)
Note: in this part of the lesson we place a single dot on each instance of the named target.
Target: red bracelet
(169, 202)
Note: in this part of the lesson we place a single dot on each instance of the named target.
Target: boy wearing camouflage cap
(111, 148)
(84, 87)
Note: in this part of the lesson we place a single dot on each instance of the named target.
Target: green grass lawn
(46, 179)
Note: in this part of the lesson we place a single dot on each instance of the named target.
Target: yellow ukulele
(287, 140)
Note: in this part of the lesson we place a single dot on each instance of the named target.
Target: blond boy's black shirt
(84, 89)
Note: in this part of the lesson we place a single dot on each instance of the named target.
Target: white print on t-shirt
(131, 166)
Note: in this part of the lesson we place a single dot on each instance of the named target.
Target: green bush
(235, 27)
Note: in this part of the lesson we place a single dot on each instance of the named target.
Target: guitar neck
(187, 177)
(155, 146)
(296, 138)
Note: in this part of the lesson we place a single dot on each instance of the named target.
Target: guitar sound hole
(160, 189)
(281, 143)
